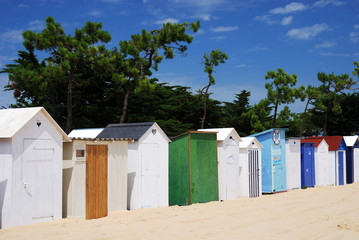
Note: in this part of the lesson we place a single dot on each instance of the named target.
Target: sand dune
(330, 212)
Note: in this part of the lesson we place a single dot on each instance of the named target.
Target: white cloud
(224, 29)
(265, 18)
(356, 26)
(324, 3)
(330, 54)
(22, 5)
(219, 38)
(12, 36)
(6, 60)
(200, 32)
(256, 48)
(201, 3)
(36, 25)
(96, 13)
(287, 20)
(291, 7)
(354, 36)
(308, 32)
(241, 66)
(204, 17)
(325, 45)
(170, 20)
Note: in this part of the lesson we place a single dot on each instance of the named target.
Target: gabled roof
(246, 141)
(316, 141)
(127, 130)
(12, 120)
(222, 133)
(333, 141)
(83, 134)
(350, 140)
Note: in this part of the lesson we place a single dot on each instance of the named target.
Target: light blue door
(278, 169)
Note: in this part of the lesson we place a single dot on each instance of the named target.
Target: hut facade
(94, 175)
(250, 178)
(352, 158)
(228, 162)
(193, 171)
(147, 169)
(293, 163)
(30, 167)
(324, 165)
(337, 149)
(273, 160)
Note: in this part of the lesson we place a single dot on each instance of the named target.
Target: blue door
(341, 168)
(349, 160)
(307, 164)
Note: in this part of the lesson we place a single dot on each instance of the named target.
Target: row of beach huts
(46, 174)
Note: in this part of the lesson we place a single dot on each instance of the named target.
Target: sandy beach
(330, 212)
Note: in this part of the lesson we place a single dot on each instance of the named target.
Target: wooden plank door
(96, 181)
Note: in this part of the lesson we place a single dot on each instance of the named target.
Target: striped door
(253, 165)
(96, 181)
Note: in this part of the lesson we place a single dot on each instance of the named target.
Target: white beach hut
(324, 164)
(293, 160)
(228, 162)
(250, 165)
(94, 174)
(147, 170)
(30, 167)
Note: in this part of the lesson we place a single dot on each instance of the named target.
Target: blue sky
(302, 37)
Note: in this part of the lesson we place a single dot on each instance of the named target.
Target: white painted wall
(293, 166)
(332, 165)
(74, 183)
(34, 178)
(228, 168)
(322, 165)
(244, 169)
(356, 164)
(148, 188)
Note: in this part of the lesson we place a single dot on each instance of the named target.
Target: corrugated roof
(350, 140)
(127, 130)
(222, 133)
(246, 141)
(333, 141)
(88, 133)
(12, 120)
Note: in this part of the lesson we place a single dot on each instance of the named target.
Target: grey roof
(125, 130)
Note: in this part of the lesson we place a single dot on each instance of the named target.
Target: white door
(232, 172)
(150, 161)
(38, 156)
(356, 164)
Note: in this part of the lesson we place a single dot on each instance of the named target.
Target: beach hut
(193, 172)
(94, 174)
(307, 164)
(228, 162)
(324, 165)
(250, 178)
(352, 158)
(30, 167)
(293, 163)
(273, 160)
(147, 169)
(337, 148)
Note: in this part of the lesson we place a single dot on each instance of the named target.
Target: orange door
(96, 181)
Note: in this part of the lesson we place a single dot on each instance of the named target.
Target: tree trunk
(125, 101)
(303, 117)
(275, 115)
(204, 107)
(325, 123)
(69, 117)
